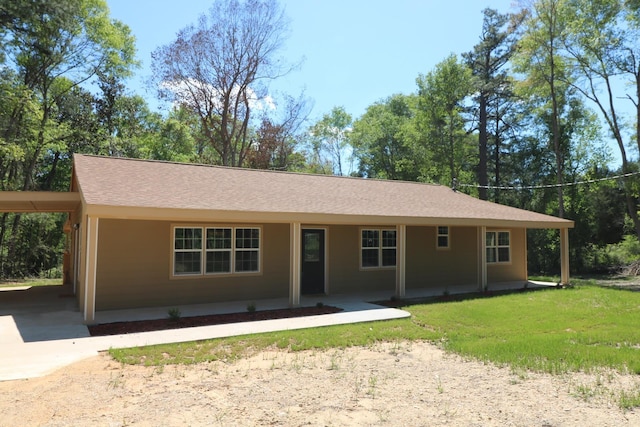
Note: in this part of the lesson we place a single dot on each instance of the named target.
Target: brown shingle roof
(152, 185)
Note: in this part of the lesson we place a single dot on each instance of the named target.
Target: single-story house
(151, 233)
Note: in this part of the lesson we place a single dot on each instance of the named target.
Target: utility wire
(537, 187)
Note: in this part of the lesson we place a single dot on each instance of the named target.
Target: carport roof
(38, 201)
(143, 189)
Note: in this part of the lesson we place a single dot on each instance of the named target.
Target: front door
(312, 262)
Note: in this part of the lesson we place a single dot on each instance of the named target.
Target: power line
(537, 187)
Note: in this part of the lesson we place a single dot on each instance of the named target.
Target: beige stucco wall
(516, 270)
(345, 274)
(134, 265)
(134, 268)
(428, 266)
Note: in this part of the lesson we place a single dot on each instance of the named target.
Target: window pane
(246, 261)
(491, 255)
(187, 263)
(218, 238)
(388, 257)
(443, 241)
(443, 230)
(388, 238)
(503, 254)
(370, 239)
(312, 247)
(503, 238)
(247, 238)
(188, 238)
(491, 238)
(370, 257)
(218, 262)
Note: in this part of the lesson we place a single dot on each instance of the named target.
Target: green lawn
(30, 282)
(554, 330)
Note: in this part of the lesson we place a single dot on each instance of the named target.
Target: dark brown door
(312, 262)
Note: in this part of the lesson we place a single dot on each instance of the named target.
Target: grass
(233, 348)
(556, 331)
(584, 328)
(30, 282)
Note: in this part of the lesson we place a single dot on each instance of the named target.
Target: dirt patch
(117, 328)
(384, 384)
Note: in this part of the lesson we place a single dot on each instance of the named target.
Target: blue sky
(356, 52)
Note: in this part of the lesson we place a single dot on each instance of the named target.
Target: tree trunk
(555, 126)
(483, 180)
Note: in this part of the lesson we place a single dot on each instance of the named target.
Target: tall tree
(488, 62)
(330, 140)
(441, 104)
(540, 58)
(50, 47)
(220, 67)
(384, 137)
(602, 42)
(62, 38)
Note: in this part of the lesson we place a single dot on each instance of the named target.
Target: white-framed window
(247, 250)
(442, 238)
(221, 250)
(218, 250)
(498, 246)
(187, 250)
(377, 248)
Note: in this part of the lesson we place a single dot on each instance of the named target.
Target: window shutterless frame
(442, 237)
(377, 248)
(498, 245)
(202, 250)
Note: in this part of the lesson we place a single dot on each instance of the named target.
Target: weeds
(629, 400)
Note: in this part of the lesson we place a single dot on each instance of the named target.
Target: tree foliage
(50, 48)
(493, 88)
(219, 68)
(446, 146)
(383, 140)
(522, 118)
(329, 139)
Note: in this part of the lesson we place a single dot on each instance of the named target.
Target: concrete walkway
(36, 339)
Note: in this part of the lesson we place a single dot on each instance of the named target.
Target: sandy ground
(390, 384)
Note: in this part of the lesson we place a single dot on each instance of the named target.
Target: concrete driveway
(42, 313)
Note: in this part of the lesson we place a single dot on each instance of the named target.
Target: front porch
(349, 303)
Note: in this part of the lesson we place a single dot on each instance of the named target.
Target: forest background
(525, 117)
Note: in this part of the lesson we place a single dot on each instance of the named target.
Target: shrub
(174, 314)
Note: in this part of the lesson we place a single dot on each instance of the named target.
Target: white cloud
(189, 91)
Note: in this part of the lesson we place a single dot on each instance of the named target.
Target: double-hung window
(187, 251)
(442, 239)
(498, 246)
(247, 250)
(221, 250)
(377, 248)
(218, 252)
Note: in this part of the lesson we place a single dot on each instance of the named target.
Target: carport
(43, 202)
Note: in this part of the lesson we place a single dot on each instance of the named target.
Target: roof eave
(246, 216)
(38, 201)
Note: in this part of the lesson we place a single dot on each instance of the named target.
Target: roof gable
(154, 185)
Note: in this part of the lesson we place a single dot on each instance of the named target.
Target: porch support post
(401, 250)
(91, 257)
(295, 234)
(564, 256)
(482, 259)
